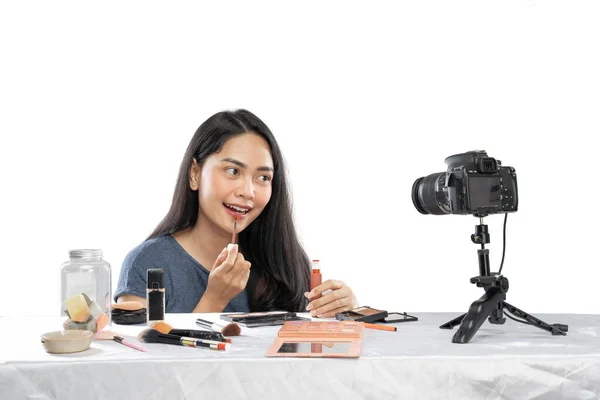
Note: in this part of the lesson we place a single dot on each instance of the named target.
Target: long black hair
(280, 273)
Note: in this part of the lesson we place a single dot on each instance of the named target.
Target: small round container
(62, 342)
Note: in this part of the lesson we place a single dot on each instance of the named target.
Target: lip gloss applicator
(234, 236)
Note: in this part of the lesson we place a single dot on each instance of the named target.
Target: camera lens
(428, 195)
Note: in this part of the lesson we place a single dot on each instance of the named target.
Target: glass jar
(85, 282)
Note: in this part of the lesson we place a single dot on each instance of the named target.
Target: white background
(99, 101)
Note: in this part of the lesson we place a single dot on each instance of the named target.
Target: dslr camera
(474, 183)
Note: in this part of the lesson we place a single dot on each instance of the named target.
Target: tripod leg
(497, 315)
(556, 329)
(453, 323)
(478, 312)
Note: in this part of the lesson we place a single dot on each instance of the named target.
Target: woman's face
(236, 181)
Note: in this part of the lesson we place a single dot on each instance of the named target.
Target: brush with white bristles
(231, 329)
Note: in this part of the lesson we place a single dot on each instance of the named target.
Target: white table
(419, 361)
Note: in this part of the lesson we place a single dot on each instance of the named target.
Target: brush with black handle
(153, 336)
(163, 327)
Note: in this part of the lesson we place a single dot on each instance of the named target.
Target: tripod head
(481, 235)
(486, 279)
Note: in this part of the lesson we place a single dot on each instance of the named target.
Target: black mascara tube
(155, 296)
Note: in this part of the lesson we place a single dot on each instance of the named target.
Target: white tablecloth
(511, 361)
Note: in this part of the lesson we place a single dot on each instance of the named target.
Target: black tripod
(492, 303)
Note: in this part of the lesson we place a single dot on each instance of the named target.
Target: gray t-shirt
(184, 278)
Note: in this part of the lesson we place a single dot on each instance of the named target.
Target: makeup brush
(163, 327)
(231, 329)
(108, 335)
(153, 336)
(233, 237)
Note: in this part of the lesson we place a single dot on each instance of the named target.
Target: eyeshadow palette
(318, 339)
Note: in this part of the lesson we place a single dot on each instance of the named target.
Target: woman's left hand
(339, 298)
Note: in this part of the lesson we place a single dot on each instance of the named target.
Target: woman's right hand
(229, 276)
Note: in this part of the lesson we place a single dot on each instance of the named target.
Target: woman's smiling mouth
(237, 209)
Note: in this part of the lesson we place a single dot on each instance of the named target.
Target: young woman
(232, 170)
